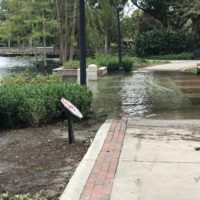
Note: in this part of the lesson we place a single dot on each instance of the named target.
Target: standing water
(150, 95)
(15, 65)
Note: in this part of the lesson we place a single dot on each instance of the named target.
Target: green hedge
(179, 56)
(161, 42)
(20, 197)
(112, 62)
(37, 103)
(74, 64)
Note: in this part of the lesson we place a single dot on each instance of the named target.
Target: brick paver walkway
(100, 182)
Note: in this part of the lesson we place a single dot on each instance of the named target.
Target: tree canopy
(55, 22)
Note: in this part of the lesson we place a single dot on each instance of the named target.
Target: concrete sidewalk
(94, 177)
(173, 66)
(141, 160)
(159, 161)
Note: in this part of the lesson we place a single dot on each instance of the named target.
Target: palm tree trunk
(44, 42)
(71, 51)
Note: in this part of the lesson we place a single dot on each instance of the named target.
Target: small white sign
(67, 104)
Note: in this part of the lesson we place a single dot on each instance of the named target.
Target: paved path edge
(77, 182)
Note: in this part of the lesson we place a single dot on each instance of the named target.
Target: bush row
(20, 197)
(161, 42)
(112, 62)
(179, 56)
(37, 103)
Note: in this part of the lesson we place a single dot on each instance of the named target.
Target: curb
(75, 187)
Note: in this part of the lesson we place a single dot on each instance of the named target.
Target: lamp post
(120, 7)
(82, 43)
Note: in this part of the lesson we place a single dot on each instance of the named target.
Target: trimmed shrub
(127, 63)
(112, 62)
(24, 79)
(33, 104)
(75, 64)
(20, 197)
(180, 56)
(161, 42)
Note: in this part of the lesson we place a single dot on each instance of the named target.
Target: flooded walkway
(149, 95)
(160, 157)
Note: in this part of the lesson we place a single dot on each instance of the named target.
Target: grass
(180, 56)
(20, 197)
(137, 62)
(74, 64)
(142, 62)
(191, 70)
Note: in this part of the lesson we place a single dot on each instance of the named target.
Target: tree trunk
(9, 40)
(58, 12)
(9, 43)
(61, 10)
(65, 23)
(106, 41)
(72, 38)
(196, 30)
(44, 42)
(106, 38)
(18, 41)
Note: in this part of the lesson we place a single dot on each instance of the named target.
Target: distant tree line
(55, 22)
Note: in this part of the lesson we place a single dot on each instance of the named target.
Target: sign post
(72, 110)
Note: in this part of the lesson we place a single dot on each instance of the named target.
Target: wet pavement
(174, 65)
(149, 95)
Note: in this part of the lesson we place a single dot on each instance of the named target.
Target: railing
(15, 51)
(51, 51)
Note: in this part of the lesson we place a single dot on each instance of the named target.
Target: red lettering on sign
(67, 104)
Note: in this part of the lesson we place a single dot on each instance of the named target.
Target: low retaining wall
(92, 72)
(61, 71)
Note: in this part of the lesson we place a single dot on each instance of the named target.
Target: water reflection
(147, 95)
(14, 65)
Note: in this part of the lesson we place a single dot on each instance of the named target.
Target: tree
(66, 24)
(41, 22)
(106, 12)
(159, 9)
(129, 31)
(13, 25)
(166, 11)
(190, 9)
(25, 20)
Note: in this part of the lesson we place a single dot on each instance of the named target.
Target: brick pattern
(100, 182)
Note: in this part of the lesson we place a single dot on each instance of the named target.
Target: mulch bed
(40, 160)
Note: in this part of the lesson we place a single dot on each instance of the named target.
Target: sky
(129, 8)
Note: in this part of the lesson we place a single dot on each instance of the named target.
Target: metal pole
(70, 129)
(82, 43)
(119, 40)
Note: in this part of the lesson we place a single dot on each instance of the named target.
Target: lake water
(140, 94)
(14, 65)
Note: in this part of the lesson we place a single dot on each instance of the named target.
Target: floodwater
(140, 94)
(149, 95)
(14, 65)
